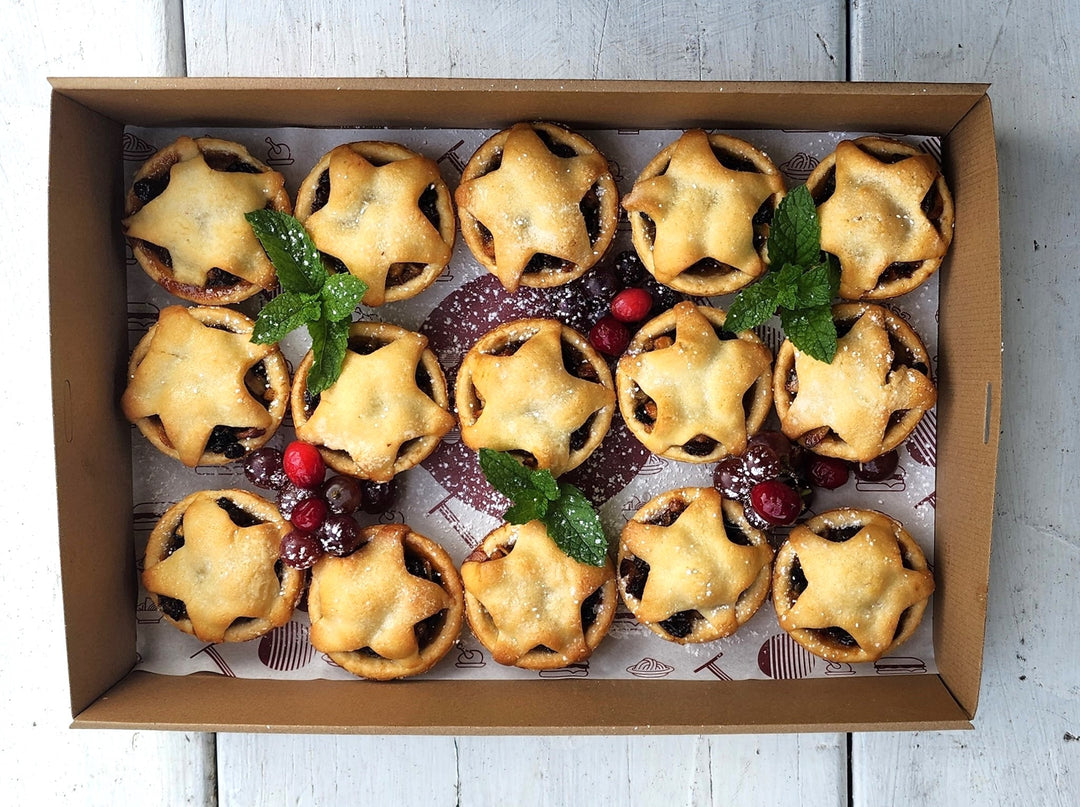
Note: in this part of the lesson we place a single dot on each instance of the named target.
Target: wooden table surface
(1025, 748)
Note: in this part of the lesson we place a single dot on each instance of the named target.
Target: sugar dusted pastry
(700, 213)
(851, 585)
(886, 212)
(691, 568)
(532, 605)
(535, 388)
(213, 569)
(185, 220)
(538, 205)
(869, 399)
(200, 390)
(393, 608)
(384, 213)
(691, 391)
(385, 413)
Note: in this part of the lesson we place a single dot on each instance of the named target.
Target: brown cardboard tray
(89, 357)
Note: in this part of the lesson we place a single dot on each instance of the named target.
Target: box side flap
(926, 108)
(969, 406)
(211, 703)
(93, 448)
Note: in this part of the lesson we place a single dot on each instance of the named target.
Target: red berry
(879, 468)
(303, 464)
(631, 305)
(300, 550)
(777, 503)
(828, 472)
(731, 479)
(309, 514)
(761, 463)
(609, 336)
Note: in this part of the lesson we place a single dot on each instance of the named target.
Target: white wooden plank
(530, 40)
(44, 762)
(722, 40)
(1025, 749)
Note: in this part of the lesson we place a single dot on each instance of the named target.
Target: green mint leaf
(530, 506)
(514, 480)
(787, 285)
(814, 287)
(574, 526)
(811, 330)
(285, 313)
(795, 233)
(290, 248)
(329, 341)
(754, 305)
(341, 294)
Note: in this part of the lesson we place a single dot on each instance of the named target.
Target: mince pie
(691, 568)
(531, 604)
(851, 585)
(538, 389)
(869, 399)
(185, 220)
(212, 566)
(200, 390)
(391, 609)
(381, 212)
(700, 213)
(538, 205)
(386, 412)
(885, 212)
(690, 390)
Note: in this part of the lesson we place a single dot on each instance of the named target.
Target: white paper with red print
(447, 498)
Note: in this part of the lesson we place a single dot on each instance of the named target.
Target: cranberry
(301, 550)
(631, 305)
(339, 535)
(761, 463)
(879, 468)
(377, 496)
(289, 496)
(609, 336)
(303, 464)
(828, 472)
(731, 479)
(777, 503)
(342, 495)
(309, 514)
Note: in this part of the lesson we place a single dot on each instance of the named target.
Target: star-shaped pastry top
(534, 595)
(373, 220)
(222, 572)
(698, 383)
(857, 393)
(375, 406)
(531, 403)
(369, 599)
(693, 565)
(531, 203)
(199, 218)
(859, 585)
(192, 378)
(875, 218)
(702, 209)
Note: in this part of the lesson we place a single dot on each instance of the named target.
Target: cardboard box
(89, 357)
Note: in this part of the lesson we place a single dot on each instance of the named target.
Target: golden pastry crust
(886, 212)
(531, 604)
(391, 609)
(191, 235)
(213, 569)
(690, 391)
(538, 205)
(882, 368)
(196, 369)
(376, 420)
(538, 389)
(384, 212)
(851, 585)
(700, 213)
(691, 568)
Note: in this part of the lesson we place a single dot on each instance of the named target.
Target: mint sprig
(570, 518)
(800, 285)
(310, 296)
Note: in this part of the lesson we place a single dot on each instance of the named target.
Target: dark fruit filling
(649, 227)
(419, 566)
(401, 273)
(311, 402)
(423, 381)
(590, 609)
(933, 205)
(230, 163)
(576, 364)
(902, 357)
(542, 262)
(558, 149)
(239, 516)
(886, 157)
(333, 264)
(163, 256)
(580, 436)
(735, 534)
(700, 446)
(150, 188)
(429, 205)
(838, 636)
(840, 534)
(427, 630)
(708, 267)
(681, 624)
(826, 188)
(797, 578)
(634, 572)
(899, 270)
(172, 608)
(645, 412)
(590, 211)
(734, 162)
(223, 440)
(764, 214)
(669, 514)
(364, 346)
(322, 192)
(176, 540)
